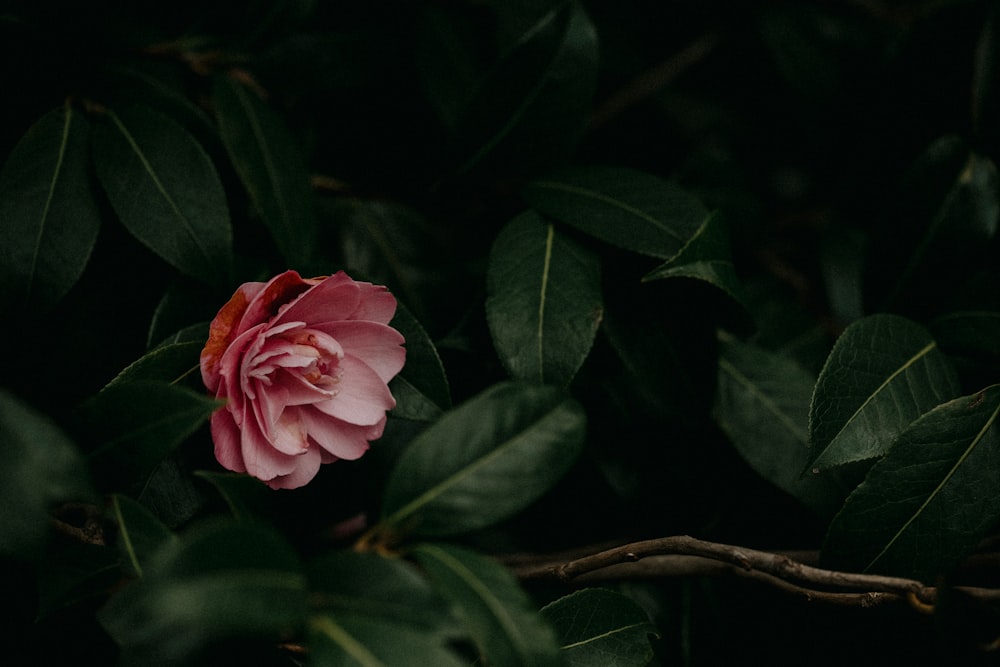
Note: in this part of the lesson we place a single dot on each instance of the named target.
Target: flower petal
(342, 440)
(333, 299)
(261, 459)
(306, 467)
(363, 397)
(377, 304)
(376, 344)
(280, 290)
(226, 435)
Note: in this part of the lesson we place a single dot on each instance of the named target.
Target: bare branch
(787, 571)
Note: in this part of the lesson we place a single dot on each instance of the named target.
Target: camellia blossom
(304, 366)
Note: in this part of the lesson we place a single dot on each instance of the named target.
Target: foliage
(722, 269)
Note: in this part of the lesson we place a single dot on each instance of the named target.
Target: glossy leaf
(221, 581)
(483, 461)
(421, 388)
(344, 639)
(531, 105)
(165, 191)
(926, 505)
(245, 495)
(883, 372)
(270, 166)
(600, 628)
(496, 613)
(137, 424)
(762, 406)
(48, 217)
(39, 467)
(626, 208)
(169, 363)
(706, 257)
(543, 301)
(943, 217)
(140, 534)
(378, 587)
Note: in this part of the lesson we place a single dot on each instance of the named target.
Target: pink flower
(303, 365)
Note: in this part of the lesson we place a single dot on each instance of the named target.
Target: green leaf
(221, 581)
(166, 191)
(245, 495)
(39, 467)
(348, 639)
(497, 614)
(762, 405)
(543, 301)
(140, 534)
(626, 208)
(530, 108)
(48, 217)
(421, 388)
(928, 503)
(483, 461)
(270, 166)
(938, 227)
(137, 424)
(883, 372)
(378, 587)
(707, 257)
(600, 628)
(169, 363)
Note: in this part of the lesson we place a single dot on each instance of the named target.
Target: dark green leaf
(170, 493)
(270, 166)
(244, 495)
(626, 208)
(344, 639)
(169, 363)
(497, 614)
(532, 103)
(543, 301)
(926, 505)
(166, 191)
(940, 224)
(483, 461)
(140, 534)
(48, 218)
(221, 581)
(39, 467)
(368, 584)
(421, 388)
(883, 372)
(137, 424)
(185, 306)
(762, 405)
(601, 628)
(707, 257)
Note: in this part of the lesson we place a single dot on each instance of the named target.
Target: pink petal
(296, 390)
(377, 304)
(343, 440)
(261, 459)
(376, 344)
(223, 330)
(306, 467)
(333, 299)
(363, 397)
(284, 432)
(226, 435)
(280, 290)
